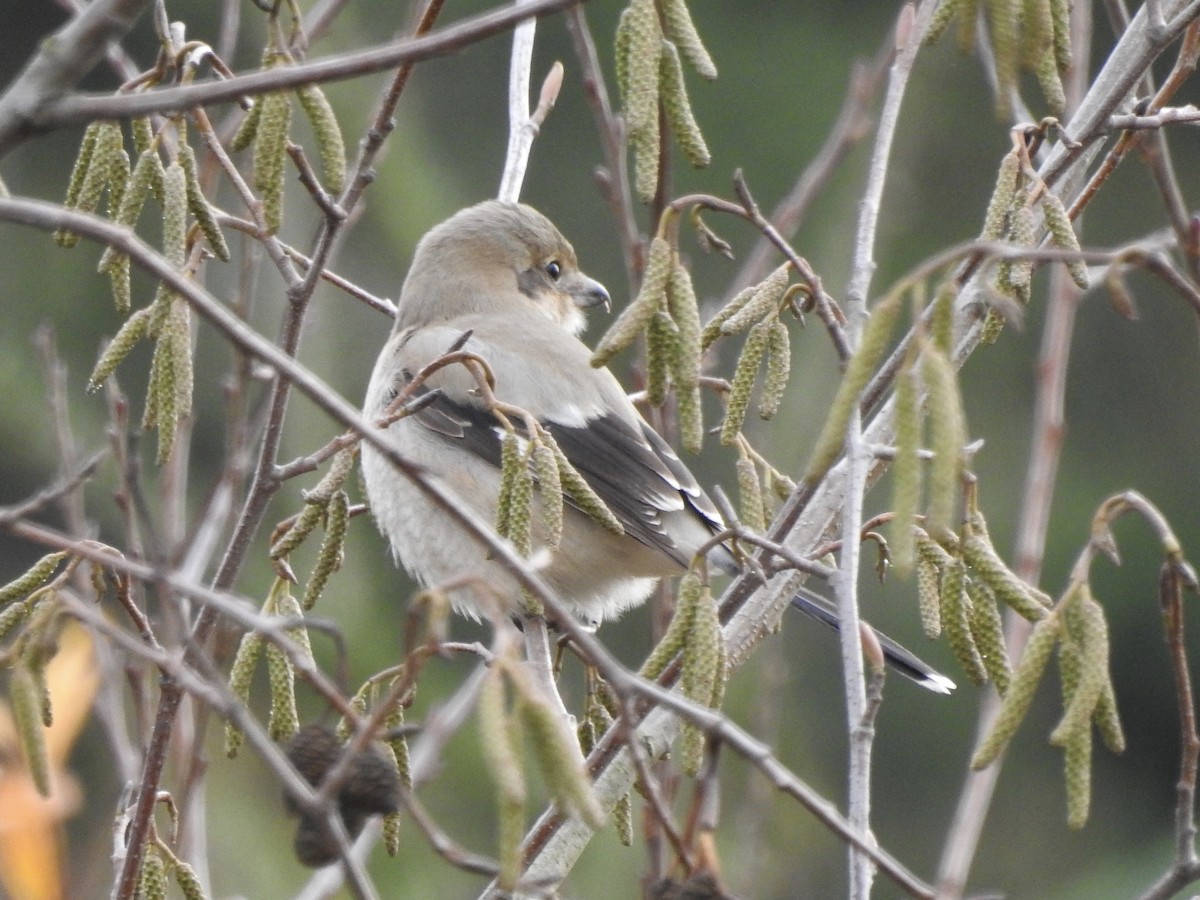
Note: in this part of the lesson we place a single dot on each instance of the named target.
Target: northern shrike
(501, 277)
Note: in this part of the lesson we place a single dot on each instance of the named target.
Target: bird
(500, 282)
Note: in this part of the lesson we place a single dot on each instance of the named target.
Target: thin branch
(238, 609)
(824, 305)
(651, 787)
(118, 60)
(265, 482)
(54, 111)
(62, 60)
(854, 678)
(1170, 115)
(64, 487)
(908, 31)
(52, 217)
(426, 757)
(1186, 866)
(269, 242)
(379, 304)
(909, 28)
(520, 129)
(668, 705)
(1156, 153)
(852, 124)
(55, 374)
(320, 17)
(442, 844)
(613, 178)
(1136, 49)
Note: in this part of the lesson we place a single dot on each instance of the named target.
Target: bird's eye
(553, 269)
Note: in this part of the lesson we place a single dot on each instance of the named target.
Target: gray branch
(41, 107)
(64, 58)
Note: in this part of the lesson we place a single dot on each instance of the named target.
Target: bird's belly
(596, 574)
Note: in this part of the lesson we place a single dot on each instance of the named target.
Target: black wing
(633, 470)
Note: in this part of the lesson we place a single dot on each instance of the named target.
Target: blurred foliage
(1133, 411)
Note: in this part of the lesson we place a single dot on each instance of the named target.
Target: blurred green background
(1133, 421)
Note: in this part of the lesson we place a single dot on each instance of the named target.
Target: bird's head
(493, 253)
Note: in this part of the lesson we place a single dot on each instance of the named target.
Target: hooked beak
(586, 292)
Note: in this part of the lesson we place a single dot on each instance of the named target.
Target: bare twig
(62, 61)
(974, 800)
(1185, 868)
(425, 758)
(669, 704)
(851, 126)
(523, 127)
(747, 209)
(1156, 152)
(908, 31)
(28, 114)
(854, 677)
(265, 481)
(614, 177)
(1170, 115)
(53, 493)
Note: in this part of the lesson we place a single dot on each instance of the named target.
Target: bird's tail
(903, 661)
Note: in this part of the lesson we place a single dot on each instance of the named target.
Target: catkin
(685, 313)
(1007, 181)
(83, 161)
(152, 878)
(284, 720)
(1025, 680)
(1004, 22)
(550, 492)
(682, 30)
(189, 883)
(582, 495)
(175, 216)
(248, 129)
(270, 153)
(199, 205)
(947, 434)
(645, 46)
(118, 348)
(26, 703)
(504, 764)
(621, 42)
(679, 108)
(779, 366)
(762, 303)
(906, 470)
(329, 135)
(1062, 235)
(751, 507)
(712, 330)
(651, 299)
(33, 578)
(333, 548)
(1093, 669)
(743, 382)
(874, 341)
(662, 353)
(559, 761)
(956, 620)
